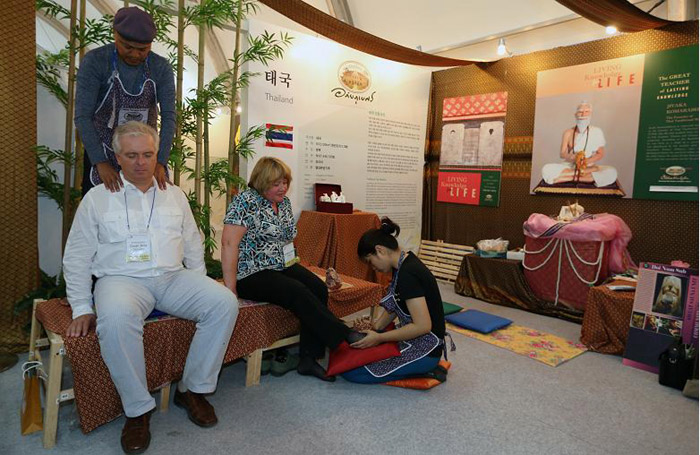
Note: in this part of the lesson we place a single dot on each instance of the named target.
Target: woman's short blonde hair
(266, 172)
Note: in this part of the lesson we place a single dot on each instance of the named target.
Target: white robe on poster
(589, 142)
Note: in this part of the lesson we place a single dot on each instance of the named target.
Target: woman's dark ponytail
(389, 227)
(385, 236)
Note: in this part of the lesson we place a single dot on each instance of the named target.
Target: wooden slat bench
(443, 259)
(166, 342)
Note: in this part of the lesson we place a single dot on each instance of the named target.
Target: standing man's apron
(411, 350)
(117, 107)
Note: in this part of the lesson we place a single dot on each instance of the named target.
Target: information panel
(336, 115)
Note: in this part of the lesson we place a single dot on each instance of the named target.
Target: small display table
(501, 281)
(606, 322)
(330, 240)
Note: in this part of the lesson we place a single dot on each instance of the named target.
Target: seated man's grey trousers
(122, 305)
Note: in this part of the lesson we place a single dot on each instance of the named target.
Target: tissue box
(330, 207)
(492, 248)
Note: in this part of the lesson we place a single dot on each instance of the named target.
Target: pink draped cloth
(603, 227)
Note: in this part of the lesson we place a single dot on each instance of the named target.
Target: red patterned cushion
(344, 358)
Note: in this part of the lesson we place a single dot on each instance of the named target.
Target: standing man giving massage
(118, 83)
(142, 244)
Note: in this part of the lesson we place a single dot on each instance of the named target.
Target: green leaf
(52, 9)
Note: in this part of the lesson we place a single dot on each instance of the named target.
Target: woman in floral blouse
(259, 263)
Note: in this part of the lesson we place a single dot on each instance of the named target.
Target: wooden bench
(259, 327)
(443, 259)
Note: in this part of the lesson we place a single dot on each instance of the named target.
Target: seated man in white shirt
(582, 148)
(135, 242)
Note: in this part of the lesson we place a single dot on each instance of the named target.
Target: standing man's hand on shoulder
(81, 325)
(161, 177)
(111, 178)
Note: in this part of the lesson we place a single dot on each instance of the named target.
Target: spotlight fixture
(239, 109)
(502, 46)
(610, 29)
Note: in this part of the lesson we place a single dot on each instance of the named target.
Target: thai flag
(279, 136)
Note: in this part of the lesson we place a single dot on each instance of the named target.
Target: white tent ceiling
(467, 29)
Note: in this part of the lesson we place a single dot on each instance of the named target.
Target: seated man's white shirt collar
(97, 240)
(128, 184)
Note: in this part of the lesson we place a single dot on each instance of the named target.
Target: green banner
(490, 188)
(667, 147)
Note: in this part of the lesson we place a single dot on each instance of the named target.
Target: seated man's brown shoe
(136, 435)
(198, 408)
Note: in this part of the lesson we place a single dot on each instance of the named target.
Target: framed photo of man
(624, 127)
(586, 124)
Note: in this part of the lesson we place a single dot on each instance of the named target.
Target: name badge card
(290, 255)
(138, 248)
(132, 114)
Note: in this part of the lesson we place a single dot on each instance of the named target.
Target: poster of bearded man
(669, 295)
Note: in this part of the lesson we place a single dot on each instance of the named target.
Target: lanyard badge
(138, 248)
(290, 255)
(138, 245)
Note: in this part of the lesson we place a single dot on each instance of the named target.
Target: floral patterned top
(261, 247)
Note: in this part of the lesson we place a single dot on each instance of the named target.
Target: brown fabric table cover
(606, 322)
(167, 343)
(501, 281)
(330, 240)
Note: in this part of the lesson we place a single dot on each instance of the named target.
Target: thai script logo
(355, 81)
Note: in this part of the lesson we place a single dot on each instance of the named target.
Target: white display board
(340, 116)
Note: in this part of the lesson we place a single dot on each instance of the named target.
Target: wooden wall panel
(18, 193)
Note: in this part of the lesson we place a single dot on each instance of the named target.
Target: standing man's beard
(582, 123)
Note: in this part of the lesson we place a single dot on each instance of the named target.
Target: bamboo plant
(219, 177)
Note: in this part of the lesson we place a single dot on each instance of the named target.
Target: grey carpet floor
(494, 401)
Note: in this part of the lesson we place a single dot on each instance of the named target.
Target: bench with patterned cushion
(166, 343)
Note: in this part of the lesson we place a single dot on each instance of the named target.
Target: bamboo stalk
(79, 148)
(200, 86)
(68, 139)
(178, 86)
(207, 182)
(233, 159)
